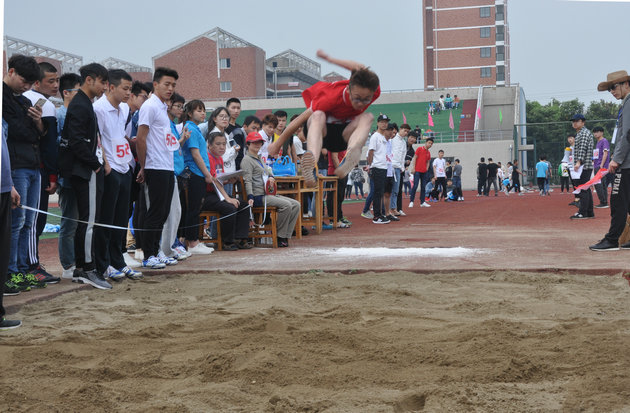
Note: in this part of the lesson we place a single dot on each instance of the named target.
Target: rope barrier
(122, 228)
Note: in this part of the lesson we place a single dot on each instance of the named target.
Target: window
(499, 13)
(500, 31)
(486, 52)
(485, 32)
(486, 72)
(500, 53)
(484, 12)
(226, 86)
(225, 63)
(500, 73)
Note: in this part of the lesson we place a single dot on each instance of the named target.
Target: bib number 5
(171, 141)
(122, 150)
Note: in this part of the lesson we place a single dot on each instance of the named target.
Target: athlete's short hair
(364, 77)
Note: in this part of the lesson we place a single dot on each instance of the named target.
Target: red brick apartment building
(216, 65)
(466, 43)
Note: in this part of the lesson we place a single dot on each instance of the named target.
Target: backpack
(357, 176)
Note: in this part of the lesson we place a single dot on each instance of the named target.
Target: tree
(597, 111)
(550, 129)
(548, 125)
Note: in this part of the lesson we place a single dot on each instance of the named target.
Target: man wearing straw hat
(618, 83)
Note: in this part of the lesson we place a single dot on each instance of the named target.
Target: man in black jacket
(46, 86)
(81, 160)
(25, 128)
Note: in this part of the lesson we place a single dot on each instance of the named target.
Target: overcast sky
(559, 48)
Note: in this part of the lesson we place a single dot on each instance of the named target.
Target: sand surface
(325, 342)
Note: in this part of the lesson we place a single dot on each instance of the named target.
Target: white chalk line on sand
(384, 252)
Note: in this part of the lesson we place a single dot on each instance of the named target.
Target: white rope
(122, 228)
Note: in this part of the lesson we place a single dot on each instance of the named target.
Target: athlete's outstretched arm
(348, 64)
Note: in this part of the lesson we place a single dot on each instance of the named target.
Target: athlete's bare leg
(314, 139)
(356, 134)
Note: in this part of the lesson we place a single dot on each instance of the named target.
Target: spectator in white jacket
(399, 149)
(218, 122)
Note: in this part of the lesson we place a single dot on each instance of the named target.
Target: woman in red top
(234, 225)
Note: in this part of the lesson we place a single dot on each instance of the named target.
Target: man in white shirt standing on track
(156, 144)
(111, 117)
(439, 171)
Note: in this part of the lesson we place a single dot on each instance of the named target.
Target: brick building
(139, 73)
(466, 43)
(334, 77)
(216, 65)
(290, 73)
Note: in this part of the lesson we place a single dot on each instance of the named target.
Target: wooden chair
(260, 230)
(270, 230)
(205, 219)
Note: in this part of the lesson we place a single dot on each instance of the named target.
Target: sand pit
(321, 342)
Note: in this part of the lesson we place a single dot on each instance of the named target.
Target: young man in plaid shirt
(583, 156)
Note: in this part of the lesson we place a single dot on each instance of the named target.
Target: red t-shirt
(216, 165)
(331, 166)
(422, 157)
(334, 100)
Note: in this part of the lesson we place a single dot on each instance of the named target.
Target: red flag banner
(404, 118)
(451, 124)
(594, 180)
(430, 119)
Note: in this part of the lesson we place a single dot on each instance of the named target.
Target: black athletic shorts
(333, 141)
(389, 185)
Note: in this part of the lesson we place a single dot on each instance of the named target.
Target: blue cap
(578, 116)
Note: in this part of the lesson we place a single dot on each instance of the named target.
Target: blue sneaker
(131, 273)
(166, 260)
(114, 274)
(153, 262)
(327, 226)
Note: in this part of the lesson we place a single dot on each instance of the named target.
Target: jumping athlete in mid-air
(335, 118)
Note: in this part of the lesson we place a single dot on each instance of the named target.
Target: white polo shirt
(380, 158)
(161, 143)
(48, 110)
(111, 124)
(440, 167)
(264, 151)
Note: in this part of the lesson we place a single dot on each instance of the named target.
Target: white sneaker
(130, 262)
(166, 260)
(402, 214)
(139, 255)
(181, 251)
(153, 262)
(179, 257)
(67, 274)
(411, 204)
(425, 204)
(200, 249)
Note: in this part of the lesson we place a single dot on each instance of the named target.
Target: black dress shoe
(229, 247)
(578, 216)
(605, 245)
